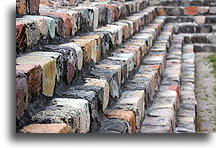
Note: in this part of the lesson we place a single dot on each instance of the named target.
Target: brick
(130, 26)
(116, 61)
(156, 121)
(74, 112)
(95, 16)
(156, 129)
(191, 10)
(21, 94)
(125, 115)
(55, 55)
(167, 112)
(67, 21)
(125, 27)
(115, 67)
(79, 53)
(32, 31)
(129, 56)
(199, 19)
(20, 7)
(111, 76)
(21, 36)
(101, 83)
(46, 24)
(93, 45)
(144, 44)
(49, 71)
(69, 60)
(34, 76)
(203, 10)
(98, 44)
(161, 11)
(33, 6)
(46, 128)
(132, 101)
(120, 32)
(212, 11)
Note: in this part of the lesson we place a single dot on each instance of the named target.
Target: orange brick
(161, 11)
(46, 128)
(125, 115)
(192, 10)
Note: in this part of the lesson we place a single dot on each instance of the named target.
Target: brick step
(205, 19)
(60, 24)
(139, 90)
(97, 82)
(193, 28)
(197, 38)
(185, 11)
(203, 47)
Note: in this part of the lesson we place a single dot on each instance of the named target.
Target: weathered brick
(45, 24)
(130, 26)
(21, 94)
(67, 21)
(156, 129)
(129, 56)
(191, 10)
(32, 31)
(102, 83)
(165, 112)
(144, 44)
(132, 101)
(125, 27)
(115, 67)
(79, 53)
(161, 11)
(21, 36)
(46, 128)
(98, 44)
(156, 121)
(199, 19)
(33, 6)
(69, 60)
(49, 71)
(203, 10)
(20, 7)
(74, 112)
(34, 75)
(93, 47)
(119, 30)
(125, 115)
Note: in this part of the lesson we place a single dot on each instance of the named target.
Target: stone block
(116, 61)
(33, 6)
(21, 36)
(129, 56)
(49, 71)
(69, 60)
(167, 112)
(119, 30)
(74, 112)
(191, 10)
(20, 7)
(101, 83)
(34, 76)
(32, 31)
(157, 121)
(125, 29)
(98, 41)
(93, 48)
(21, 94)
(66, 19)
(46, 128)
(50, 24)
(130, 26)
(124, 115)
(111, 76)
(79, 53)
(132, 101)
(203, 10)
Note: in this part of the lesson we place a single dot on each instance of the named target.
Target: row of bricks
(197, 38)
(139, 91)
(192, 28)
(38, 71)
(187, 111)
(161, 114)
(183, 3)
(185, 11)
(200, 19)
(90, 91)
(63, 23)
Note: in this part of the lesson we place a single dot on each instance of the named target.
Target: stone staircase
(108, 67)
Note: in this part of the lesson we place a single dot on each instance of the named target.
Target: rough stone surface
(21, 36)
(46, 128)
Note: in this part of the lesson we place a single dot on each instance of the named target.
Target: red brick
(21, 37)
(34, 77)
(125, 115)
(21, 7)
(21, 94)
(192, 10)
(34, 6)
(66, 19)
(46, 128)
